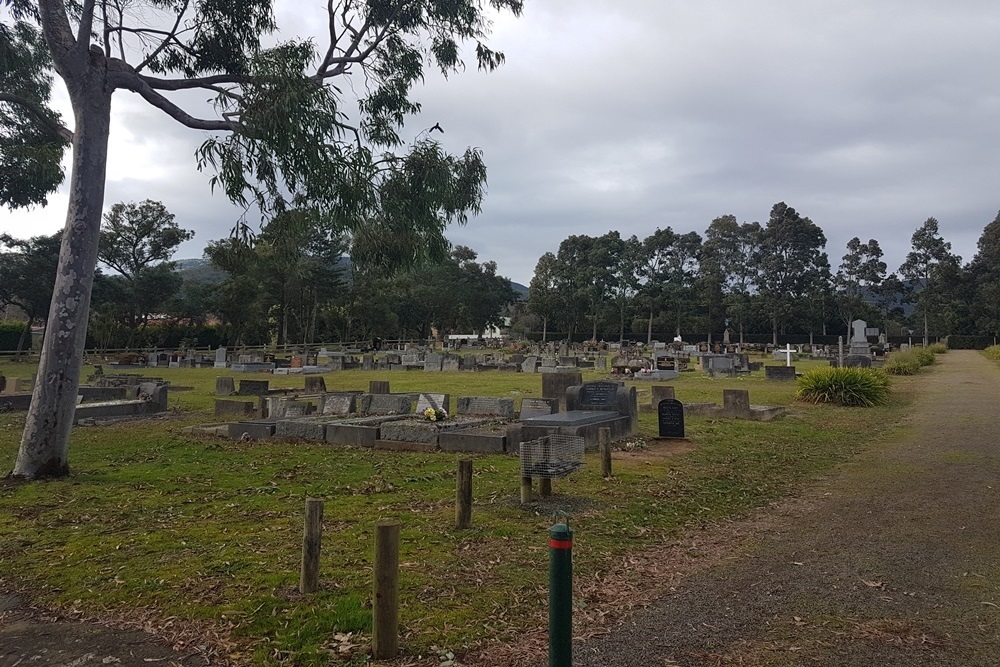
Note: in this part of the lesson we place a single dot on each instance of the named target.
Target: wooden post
(525, 490)
(311, 542)
(463, 494)
(604, 440)
(385, 611)
(545, 487)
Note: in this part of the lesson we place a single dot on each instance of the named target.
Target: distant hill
(522, 291)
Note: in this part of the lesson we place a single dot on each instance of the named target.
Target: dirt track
(895, 560)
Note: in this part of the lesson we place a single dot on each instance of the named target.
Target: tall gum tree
(282, 132)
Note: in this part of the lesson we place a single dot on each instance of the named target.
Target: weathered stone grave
(502, 408)
(434, 401)
(378, 387)
(538, 407)
(780, 373)
(385, 404)
(339, 405)
(254, 387)
(224, 386)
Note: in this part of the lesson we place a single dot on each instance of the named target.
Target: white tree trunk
(45, 442)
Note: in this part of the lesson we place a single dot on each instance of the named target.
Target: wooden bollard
(525, 490)
(545, 487)
(604, 440)
(463, 494)
(385, 607)
(312, 536)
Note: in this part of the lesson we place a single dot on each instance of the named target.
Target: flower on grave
(433, 415)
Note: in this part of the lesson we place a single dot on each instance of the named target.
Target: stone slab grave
(359, 432)
(538, 407)
(670, 418)
(482, 440)
(148, 398)
(378, 387)
(415, 429)
(779, 373)
(590, 406)
(735, 405)
(251, 430)
(303, 429)
(227, 407)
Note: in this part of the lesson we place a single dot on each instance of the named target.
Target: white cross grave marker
(788, 354)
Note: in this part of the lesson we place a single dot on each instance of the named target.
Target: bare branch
(171, 35)
(186, 84)
(85, 27)
(39, 113)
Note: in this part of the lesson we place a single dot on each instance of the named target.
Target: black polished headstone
(670, 418)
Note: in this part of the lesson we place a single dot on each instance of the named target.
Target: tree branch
(59, 37)
(85, 27)
(186, 84)
(38, 112)
(129, 80)
(166, 40)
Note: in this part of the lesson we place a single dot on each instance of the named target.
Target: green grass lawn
(205, 529)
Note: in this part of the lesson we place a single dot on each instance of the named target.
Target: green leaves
(862, 387)
(31, 146)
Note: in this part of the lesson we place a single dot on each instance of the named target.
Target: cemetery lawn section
(200, 532)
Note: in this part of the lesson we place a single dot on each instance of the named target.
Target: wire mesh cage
(551, 456)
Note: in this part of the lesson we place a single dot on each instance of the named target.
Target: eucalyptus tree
(545, 298)
(731, 255)
(792, 260)
(32, 139)
(984, 271)
(284, 125)
(930, 266)
(138, 241)
(861, 273)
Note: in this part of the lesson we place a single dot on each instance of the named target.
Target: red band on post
(561, 544)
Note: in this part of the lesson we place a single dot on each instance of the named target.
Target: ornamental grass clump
(992, 352)
(938, 348)
(902, 363)
(925, 355)
(864, 387)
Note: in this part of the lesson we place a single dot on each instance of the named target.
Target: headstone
(225, 407)
(378, 387)
(529, 365)
(451, 363)
(368, 362)
(568, 361)
(538, 407)
(254, 387)
(554, 385)
(661, 392)
(783, 373)
(315, 384)
(486, 405)
(736, 402)
(432, 362)
(670, 418)
(339, 405)
(220, 358)
(436, 401)
(224, 386)
(596, 395)
(859, 342)
(386, 404)
(857, 361)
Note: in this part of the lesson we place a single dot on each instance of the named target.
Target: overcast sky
(868, 117)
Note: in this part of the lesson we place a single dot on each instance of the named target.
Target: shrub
(925, 355)
(992, 352)
(902, 363)
(844, 386)
(938, 348)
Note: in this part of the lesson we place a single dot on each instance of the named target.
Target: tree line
(750, 278)
(291, 282)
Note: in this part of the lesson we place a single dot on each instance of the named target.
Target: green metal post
(561, 595)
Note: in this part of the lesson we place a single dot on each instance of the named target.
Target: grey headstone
(451, 363)
(386, 404)
(486, 405)
(378, 387)
(538, 407)
(220, 358)
(436, 401)
(432, 362)
(736, 402)
(782, 373)
(529, 365)
(315, 385)
(338, 405)
(224, 386)
(254, 387)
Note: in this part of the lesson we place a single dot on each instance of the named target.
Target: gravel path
(895, 560)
